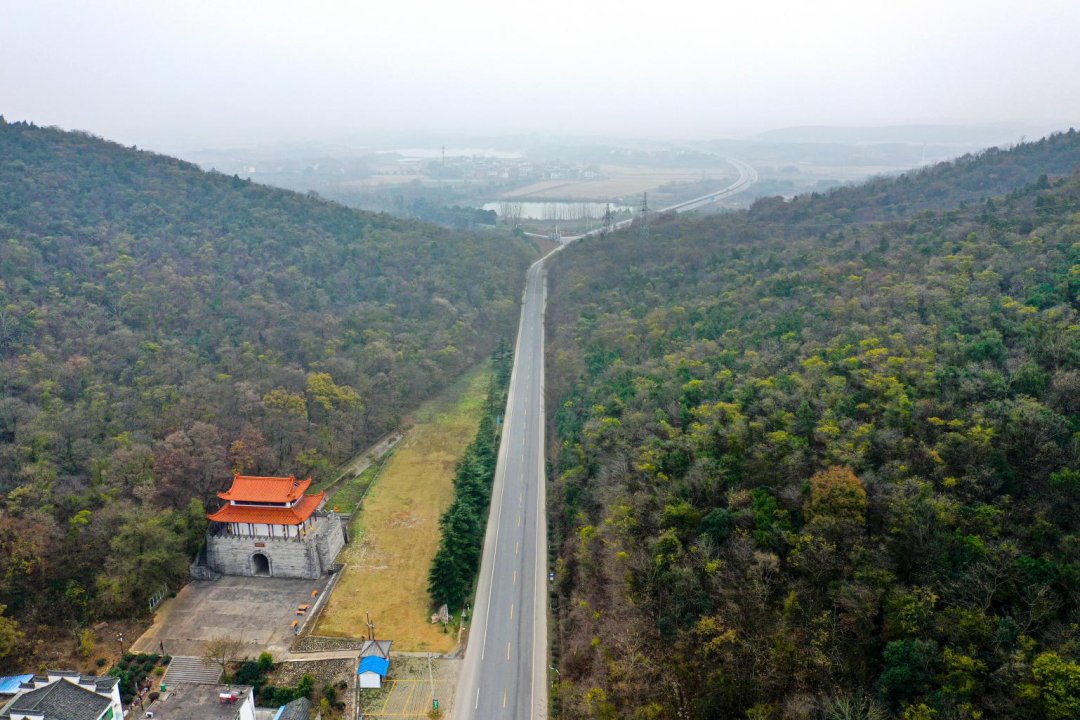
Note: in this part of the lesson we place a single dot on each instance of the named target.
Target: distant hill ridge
(915, 134)
(942, 186)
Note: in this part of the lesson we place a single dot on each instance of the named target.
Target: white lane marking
(517, 549)
(511, 611)
(477, 703)
(513, 582)
(504, 698)
(519, 521)
(507, 651)
(491, 586)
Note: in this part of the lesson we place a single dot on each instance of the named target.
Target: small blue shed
(372, 671)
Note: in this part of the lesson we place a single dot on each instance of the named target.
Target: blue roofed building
(372, 672)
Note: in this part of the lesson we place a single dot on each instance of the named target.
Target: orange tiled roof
(295, 515)
(249, 488)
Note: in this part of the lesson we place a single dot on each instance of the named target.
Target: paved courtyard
(257, 611)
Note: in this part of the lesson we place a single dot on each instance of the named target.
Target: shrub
(265, 695)
(101, 662)
(86, 642)
(284, 695)
(265, 662)
(248, 673)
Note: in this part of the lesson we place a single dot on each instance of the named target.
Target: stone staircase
(191, 670)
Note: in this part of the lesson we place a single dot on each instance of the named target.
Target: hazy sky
(180, 75)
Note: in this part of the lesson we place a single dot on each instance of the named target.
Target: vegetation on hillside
(457, 561)
(162, 327)
(814, 466)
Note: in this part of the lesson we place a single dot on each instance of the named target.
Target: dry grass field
(616, 181)
(396, 532)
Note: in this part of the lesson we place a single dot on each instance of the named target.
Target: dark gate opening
(260, 565)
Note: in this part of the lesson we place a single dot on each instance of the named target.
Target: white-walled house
(65, 695)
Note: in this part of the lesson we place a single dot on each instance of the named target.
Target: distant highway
(747, 177)
(505, 670)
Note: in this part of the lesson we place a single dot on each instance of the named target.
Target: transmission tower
(645, 216)
(609, 220)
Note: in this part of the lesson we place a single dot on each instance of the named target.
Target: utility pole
(608, 219)
(431, 679)
(370, 626)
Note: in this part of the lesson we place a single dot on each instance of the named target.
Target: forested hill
(939, 187)
(829, 469)
(161, 327)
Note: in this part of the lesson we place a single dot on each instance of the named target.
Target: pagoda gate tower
(270, 527)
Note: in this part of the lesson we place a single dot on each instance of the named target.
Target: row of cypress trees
(457, 561)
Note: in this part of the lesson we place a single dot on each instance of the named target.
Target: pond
(554, 210)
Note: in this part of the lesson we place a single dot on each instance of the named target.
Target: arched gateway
(260, 565)
(269, 527)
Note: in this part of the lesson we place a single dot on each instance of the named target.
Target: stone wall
(329, 542)
(309, 558)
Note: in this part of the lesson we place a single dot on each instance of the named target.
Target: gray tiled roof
(102, 683)
(299, 709)
(61, 700)
(376, 648)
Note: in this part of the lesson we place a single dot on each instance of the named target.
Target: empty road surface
(505, 669)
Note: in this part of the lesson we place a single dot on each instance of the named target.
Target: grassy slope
(397, 532)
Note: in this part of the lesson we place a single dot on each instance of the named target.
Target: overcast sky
(195, 73)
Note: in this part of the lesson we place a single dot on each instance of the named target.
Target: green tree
(1056, 686)
(10, 635)
(147, 552)
(910, 666)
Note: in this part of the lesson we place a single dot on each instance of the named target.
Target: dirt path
(363, 461)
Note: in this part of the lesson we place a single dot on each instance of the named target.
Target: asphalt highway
(505, 669)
